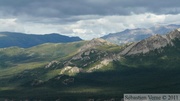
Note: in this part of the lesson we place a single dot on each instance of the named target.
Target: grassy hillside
(24, 75)
(44, 52)
(37, 69)
(16, 60)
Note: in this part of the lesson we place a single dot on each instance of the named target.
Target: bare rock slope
(152, 43)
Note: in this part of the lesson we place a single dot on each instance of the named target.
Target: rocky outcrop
(93, 55)
(52, 64)
(103, 63)
(152, 43)
(89, 53)
(94, 43)
(71, 70)
(174, 34)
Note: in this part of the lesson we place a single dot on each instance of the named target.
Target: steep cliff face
(152, 43)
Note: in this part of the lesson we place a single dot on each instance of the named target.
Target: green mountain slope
(16, 60)
(25, 68)
(87, 70)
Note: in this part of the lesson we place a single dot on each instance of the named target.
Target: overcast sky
(85, 18)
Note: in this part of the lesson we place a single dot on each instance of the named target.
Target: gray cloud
(85, 18)
(69, 8)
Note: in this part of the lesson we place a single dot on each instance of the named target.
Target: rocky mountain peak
(174, 34)
(152, 43)
(178, 29)
(99, 42)
(95, 43)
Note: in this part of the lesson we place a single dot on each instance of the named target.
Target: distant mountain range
(8, 39)
(134, 35)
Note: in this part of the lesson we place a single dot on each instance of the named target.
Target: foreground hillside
(88, 70)
(51, 67)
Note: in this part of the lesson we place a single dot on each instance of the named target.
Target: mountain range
(8, 39)
(134, 35)
(91, 70)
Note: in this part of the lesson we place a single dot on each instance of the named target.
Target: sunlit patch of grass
(56, 50)
(9, 72)
(108, 67)
(12, 51)
(50, 74)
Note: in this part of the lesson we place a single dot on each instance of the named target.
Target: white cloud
(8, 24)
(91, 27)
(174, 19)
(88, 29)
